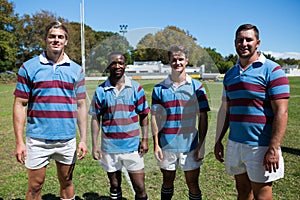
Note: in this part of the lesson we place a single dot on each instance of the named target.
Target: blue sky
(212, 22)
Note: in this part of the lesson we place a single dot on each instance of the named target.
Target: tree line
(22, 39)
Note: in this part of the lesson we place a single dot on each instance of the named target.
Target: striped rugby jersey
(250, 92)
(52, 91)
(120, 115)
(177, 110)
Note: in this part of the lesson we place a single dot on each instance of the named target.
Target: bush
(8, 77)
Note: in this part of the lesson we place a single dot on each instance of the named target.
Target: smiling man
(177, 103)
(51, 90)
(255, 108)
(119, 105)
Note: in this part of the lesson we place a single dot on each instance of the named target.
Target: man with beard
(255, 108)
(51, 90)
(120, 104)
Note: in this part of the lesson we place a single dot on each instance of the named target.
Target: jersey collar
(107, 84)
(45, 60)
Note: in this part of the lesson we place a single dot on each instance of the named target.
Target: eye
(241, 40)
(51, 36)
(119, 62)
(179, 59)
(56, 36)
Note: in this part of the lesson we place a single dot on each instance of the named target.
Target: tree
(212, 60)
(155, 47)
(8, 48)
(92, 40)
(98, 56)
(233, 58)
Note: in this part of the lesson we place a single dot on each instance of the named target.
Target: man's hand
(143, 148)
(271, 160)
(199, 153)
(96, 153)
(219, 151)
(20, 153)
(158, 154)
(82, 150)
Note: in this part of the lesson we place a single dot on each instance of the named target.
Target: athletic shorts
(112, 162)
(241, 158)
(40, 151)
(186, 161)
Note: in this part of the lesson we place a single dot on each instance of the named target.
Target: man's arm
(280, 109)
(221, 129)
(154, 127)
(19, 117)
(202, 131)
(95, 128)
(82, 125)
(144, 121)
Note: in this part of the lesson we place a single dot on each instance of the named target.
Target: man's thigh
(64, 172)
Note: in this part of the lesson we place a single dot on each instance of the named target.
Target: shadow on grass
(95, 196)
(86, 196)
(291, 150)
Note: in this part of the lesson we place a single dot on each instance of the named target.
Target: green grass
(91, 181)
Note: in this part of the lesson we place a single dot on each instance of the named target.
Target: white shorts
(186, 161)
(40, 151)
(112, 162)
(241, 158)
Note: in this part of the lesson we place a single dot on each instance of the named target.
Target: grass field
(91, 182)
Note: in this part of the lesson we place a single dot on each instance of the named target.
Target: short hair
(56, 24)
(247, 27)
(116, 53)
(177, 48)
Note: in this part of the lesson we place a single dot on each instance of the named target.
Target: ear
(258, 43)
(66, 42)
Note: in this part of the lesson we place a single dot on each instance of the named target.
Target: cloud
(284, 55)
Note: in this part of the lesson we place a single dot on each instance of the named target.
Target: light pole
(123, 29)
(82, 34)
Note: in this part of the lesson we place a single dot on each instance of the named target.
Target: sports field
(91, 182)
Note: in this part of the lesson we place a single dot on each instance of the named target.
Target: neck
(246, 62)
(56, 57)
(117, 81)
(178, 77)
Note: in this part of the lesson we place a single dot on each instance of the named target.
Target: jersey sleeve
(23, 86)
(279, 85)
(142, 106)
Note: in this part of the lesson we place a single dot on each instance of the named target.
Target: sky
(212, 22)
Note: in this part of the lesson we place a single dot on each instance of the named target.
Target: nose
(56, 38)
(244, 42)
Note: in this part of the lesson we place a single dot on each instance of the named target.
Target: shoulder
(163, 84)
(136, 86)
(101, 86)
(271, 65)
(32, 62)
(196, 82)
(135, 83)
(234, 68)
(74, 65)
(232, 72)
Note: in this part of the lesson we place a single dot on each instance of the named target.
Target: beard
(245, 55)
